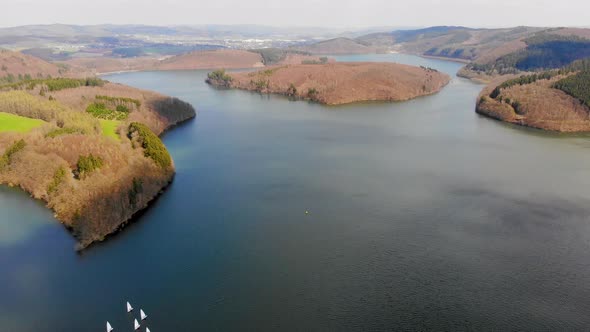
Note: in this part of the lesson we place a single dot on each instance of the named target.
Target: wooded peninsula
(87, 147)
(338, 83)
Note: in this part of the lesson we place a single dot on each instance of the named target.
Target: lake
(421, 215)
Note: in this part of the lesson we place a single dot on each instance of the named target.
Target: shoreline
(464, 61)
(135, 217)
(155, 69)
(119, 72)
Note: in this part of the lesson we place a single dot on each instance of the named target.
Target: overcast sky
(324, 13)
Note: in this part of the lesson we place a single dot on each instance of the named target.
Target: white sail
(147, 329)
(143, 315)
(109, 327)
(136, 325)
(129, 307)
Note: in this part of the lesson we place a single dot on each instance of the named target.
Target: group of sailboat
(136, 324)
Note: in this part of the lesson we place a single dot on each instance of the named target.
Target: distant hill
(101, 64)
(224, 58)
(454, 42)
(212, 59)
(101, 48)
(450, 41)
(165, 40)
(59, 42)
(202, 30)
(460, 33)
(15, 66)
(490, 52)
(337, 46)
(544, 50)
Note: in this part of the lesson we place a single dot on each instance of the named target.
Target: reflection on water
(422, 216)
(22, 217)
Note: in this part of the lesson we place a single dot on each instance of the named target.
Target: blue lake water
(422, 216)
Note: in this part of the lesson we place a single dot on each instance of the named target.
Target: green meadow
(109, 128)
(11, 122)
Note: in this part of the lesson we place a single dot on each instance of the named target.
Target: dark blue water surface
(422, 216)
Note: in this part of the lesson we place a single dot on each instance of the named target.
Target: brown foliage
(341, 83)
(157, 111)
(97, 204)
(98, 65)
(192, 60)
(17, 63)
(539, 106)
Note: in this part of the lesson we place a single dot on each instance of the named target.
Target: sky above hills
(323, 13)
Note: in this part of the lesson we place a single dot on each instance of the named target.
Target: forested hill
(543, 51)
(557, 100)
(490, 52)
(15, 66)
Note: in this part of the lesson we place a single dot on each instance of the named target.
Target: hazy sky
(325, 13)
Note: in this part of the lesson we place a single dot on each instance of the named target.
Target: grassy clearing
(11, 122)
(109, 128)
(100, 111)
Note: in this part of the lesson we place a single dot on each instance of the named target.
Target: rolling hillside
(541, 51)
(337, 46)
(15, 66)
(338, 83)
(557, 100)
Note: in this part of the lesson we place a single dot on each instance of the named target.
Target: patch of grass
(23, 104)
(109, 128)
(21, 124)
(100, 111)
(120, 100)
(63, 131)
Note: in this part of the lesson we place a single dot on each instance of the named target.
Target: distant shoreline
(464, 61)
(120, 72)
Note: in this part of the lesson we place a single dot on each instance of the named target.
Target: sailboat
(129, 307)
(136, 325)
(109, 327)
(147, 329)
(143, 315)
